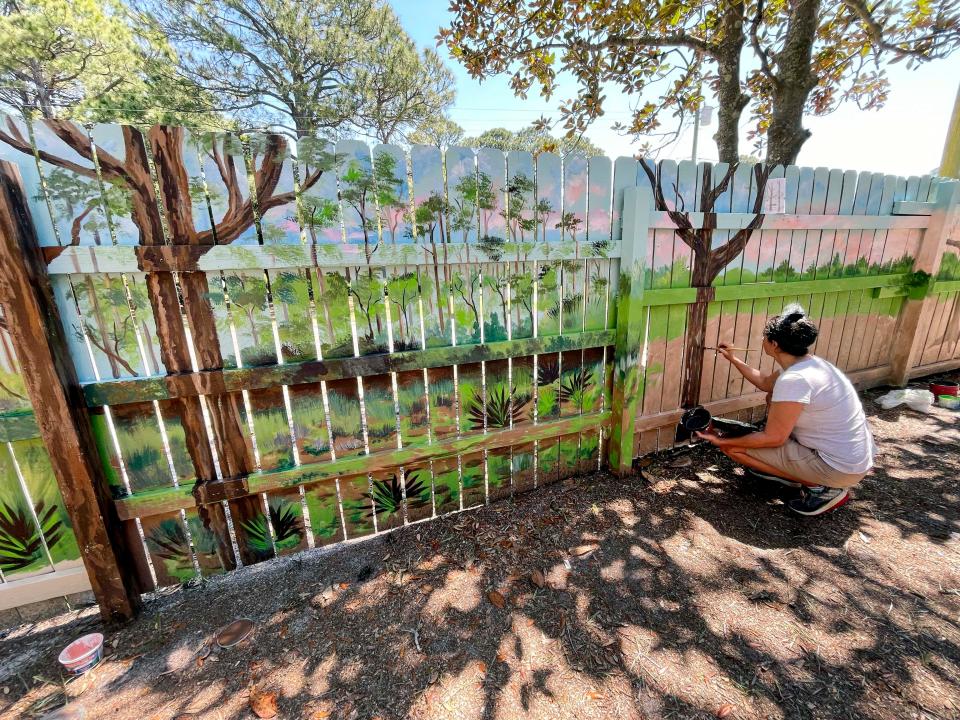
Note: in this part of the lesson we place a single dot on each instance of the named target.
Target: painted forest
(363, 305)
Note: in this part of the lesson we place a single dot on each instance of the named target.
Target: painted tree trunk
(229, 435)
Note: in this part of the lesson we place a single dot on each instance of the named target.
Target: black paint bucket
(696, 419)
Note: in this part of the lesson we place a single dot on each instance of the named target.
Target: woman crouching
(816, 436)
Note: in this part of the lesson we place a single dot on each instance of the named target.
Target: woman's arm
(761, 381)
(780, 421)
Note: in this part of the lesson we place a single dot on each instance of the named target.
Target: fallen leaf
(482, 667)
(496, 598)
(199, 662)
(320, 715)
(681, 462)
(583, 550)
(594, 695)
(284, 631)
(263, 703)
(344, 585)
(536, 577)
(501, 657)
(724, 710)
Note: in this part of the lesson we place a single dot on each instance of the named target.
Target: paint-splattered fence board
(36, 535)
(848, 242)
(404, 333)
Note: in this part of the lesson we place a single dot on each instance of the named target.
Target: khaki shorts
(801, 462)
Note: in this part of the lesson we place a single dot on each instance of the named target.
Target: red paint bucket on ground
(944, 387)
(82, 654)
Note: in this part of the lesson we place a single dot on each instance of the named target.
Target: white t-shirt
(833, 423)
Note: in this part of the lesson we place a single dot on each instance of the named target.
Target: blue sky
(905, 137)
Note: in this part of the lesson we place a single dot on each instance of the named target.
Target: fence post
(58, 404)
(908, 344)
(631, 316)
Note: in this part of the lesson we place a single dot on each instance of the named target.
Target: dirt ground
(687, 593)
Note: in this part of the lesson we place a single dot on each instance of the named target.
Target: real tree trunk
(795, 81)
(731, 99)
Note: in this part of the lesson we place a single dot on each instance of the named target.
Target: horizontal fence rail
(296, 344)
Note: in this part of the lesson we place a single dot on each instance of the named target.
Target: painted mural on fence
(425, 249)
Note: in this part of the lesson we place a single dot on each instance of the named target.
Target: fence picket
(351, 267)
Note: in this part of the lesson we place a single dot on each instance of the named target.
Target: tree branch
(876, 31)
(18, 142)
(757, 48)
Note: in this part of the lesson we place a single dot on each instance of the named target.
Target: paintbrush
(729, 348)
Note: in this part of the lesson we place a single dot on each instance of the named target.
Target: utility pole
(696, 133)
(950, 164)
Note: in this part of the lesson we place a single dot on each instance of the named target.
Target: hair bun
(793, 312)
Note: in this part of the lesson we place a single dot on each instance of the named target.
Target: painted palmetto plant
(571, 306)
(169, 542)
(387, 496)
(548, 370)
(574, 384)
(501, 408)
(21, 542)
(287, 528)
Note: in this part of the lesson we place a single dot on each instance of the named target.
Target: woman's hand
(723, 349)
(713, 439)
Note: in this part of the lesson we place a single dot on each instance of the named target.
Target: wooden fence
(264, 349)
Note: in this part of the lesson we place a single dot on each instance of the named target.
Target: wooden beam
(912, 207)
(218, 382)
(631, 319)
(65, 581)
(211, 258)
(737, 221)
(759, 290)
(61, 414)
(945, 286)
(908, 343)
(19, 425)
(171, 499)
(935, 368)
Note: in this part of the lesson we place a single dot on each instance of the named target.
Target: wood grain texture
(62, 417)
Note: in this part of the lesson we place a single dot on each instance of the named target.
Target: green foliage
(501, 410)
(168, 541)
(13, 392)
(438, 131)
(308, 67)
(574, 385)
(801, 59)
(949, 267)
(387, 497)
(287, 528)
(401, 89)
(533, 139)
(21, 542)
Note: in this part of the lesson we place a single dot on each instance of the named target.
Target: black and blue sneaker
(819, 500)
(757, 475)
